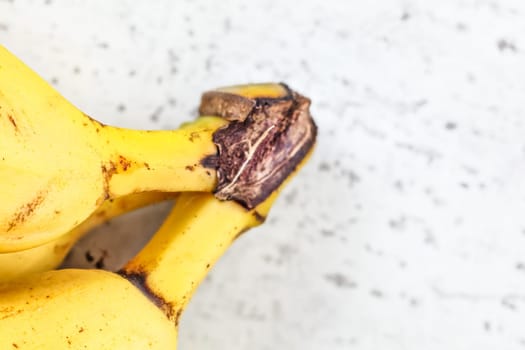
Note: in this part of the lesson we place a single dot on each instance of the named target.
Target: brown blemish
(124, 163)
(15, 346)
(10, 311)
(190, 167)
(139, 280)
(210, 162)
(263, 143)
(194, 136)
(26, 210)
(121, 164)
(107, 172)
(12, 120)
(260, 218)
(147, 166)
(177, 317)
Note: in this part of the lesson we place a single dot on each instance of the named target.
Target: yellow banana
(139, 307)
(50, 255)
(57, 165)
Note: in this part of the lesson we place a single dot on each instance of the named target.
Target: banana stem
(161, 160)
(193, 237)
(259, 155)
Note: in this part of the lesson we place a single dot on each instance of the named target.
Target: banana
(140, 306)
(58, 165)
(50, 255)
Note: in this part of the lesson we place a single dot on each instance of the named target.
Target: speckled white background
(406, 230)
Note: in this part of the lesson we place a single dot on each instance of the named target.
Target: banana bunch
(62, 173)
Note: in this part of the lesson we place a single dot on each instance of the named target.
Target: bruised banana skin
(139, 307)
(50, 255)
(57, 165)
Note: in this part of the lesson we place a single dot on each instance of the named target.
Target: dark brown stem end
(270, 132)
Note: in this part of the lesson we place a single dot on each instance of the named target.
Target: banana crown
(269, 133)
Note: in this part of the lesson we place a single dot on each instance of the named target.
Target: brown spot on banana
(210, 162)
(139, 280)
(26, 210)
(107, 172)
(124, 163)
(260, 218)
(194, 136)
(111, 168)
(13, 122)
